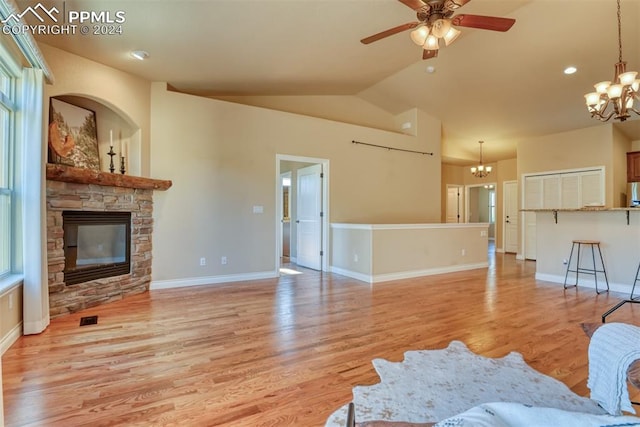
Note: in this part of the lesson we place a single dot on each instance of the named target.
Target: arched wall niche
(126, 133)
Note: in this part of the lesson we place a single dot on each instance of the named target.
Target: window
(7, 158)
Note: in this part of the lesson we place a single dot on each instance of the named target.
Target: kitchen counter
(617, 230)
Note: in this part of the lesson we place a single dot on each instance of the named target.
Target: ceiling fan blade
(426, 54)
(493, 23)
(455, 4)
(413, 4)
(390, 32)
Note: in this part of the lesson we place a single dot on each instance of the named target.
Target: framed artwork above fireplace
(73, 135)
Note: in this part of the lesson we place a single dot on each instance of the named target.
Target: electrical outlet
(223, 260)
(463, 252)
(483, 233)
(355, 257)
(203, 261)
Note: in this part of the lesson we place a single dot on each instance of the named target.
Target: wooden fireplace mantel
(88, 176)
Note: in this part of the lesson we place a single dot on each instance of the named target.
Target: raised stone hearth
(73, 189)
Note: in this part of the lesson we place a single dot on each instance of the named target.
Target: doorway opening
(302, 197)
(480, 207)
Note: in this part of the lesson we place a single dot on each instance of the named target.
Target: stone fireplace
(72, 191)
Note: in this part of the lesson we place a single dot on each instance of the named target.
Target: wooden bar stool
(584, 270)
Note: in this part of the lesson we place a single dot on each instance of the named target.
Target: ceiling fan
(435, 22)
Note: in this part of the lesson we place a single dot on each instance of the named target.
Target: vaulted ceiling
(498, 87)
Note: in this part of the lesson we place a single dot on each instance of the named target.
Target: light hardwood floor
(287, 351)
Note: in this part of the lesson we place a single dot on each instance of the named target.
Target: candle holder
(122, 170)
(111, 153)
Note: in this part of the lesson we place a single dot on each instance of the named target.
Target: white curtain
(31, 138)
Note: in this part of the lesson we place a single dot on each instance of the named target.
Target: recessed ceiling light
(570, 70)
(140, 54)
(431, 69)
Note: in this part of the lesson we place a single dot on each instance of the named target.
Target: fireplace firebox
(96, 245)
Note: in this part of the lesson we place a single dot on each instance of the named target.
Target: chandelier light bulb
(629, 103)
(592, 98)
(602, 86)
(614, 91)
(628, 78)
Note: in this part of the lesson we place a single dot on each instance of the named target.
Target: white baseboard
(586, 282)
(353, 274)
(427, 272)
(377, 278)
(37, 326)
(210, 280)
(8, 340)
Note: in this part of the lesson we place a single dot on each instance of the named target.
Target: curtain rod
(391, 148)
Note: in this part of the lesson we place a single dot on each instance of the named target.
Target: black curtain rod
(391, 148)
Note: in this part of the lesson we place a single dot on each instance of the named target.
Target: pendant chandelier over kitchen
(481, 170)
(621, 95)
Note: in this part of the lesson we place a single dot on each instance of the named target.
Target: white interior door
(511, 216)
(309, 217)
(453, 203)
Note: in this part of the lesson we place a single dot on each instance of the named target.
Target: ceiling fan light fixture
(419, 35)
(431, 43)
(451, 36)
(441, 27)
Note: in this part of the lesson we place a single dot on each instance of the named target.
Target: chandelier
(481, 170)
(621, 94)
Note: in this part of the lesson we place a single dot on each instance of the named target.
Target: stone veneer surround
(117, 195)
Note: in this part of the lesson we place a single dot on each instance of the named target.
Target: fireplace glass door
(96, 245)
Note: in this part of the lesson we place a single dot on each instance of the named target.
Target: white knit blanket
(613, 347)
(508, 414)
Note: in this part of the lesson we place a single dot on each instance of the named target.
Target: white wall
(221, 159)
(384, 252)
